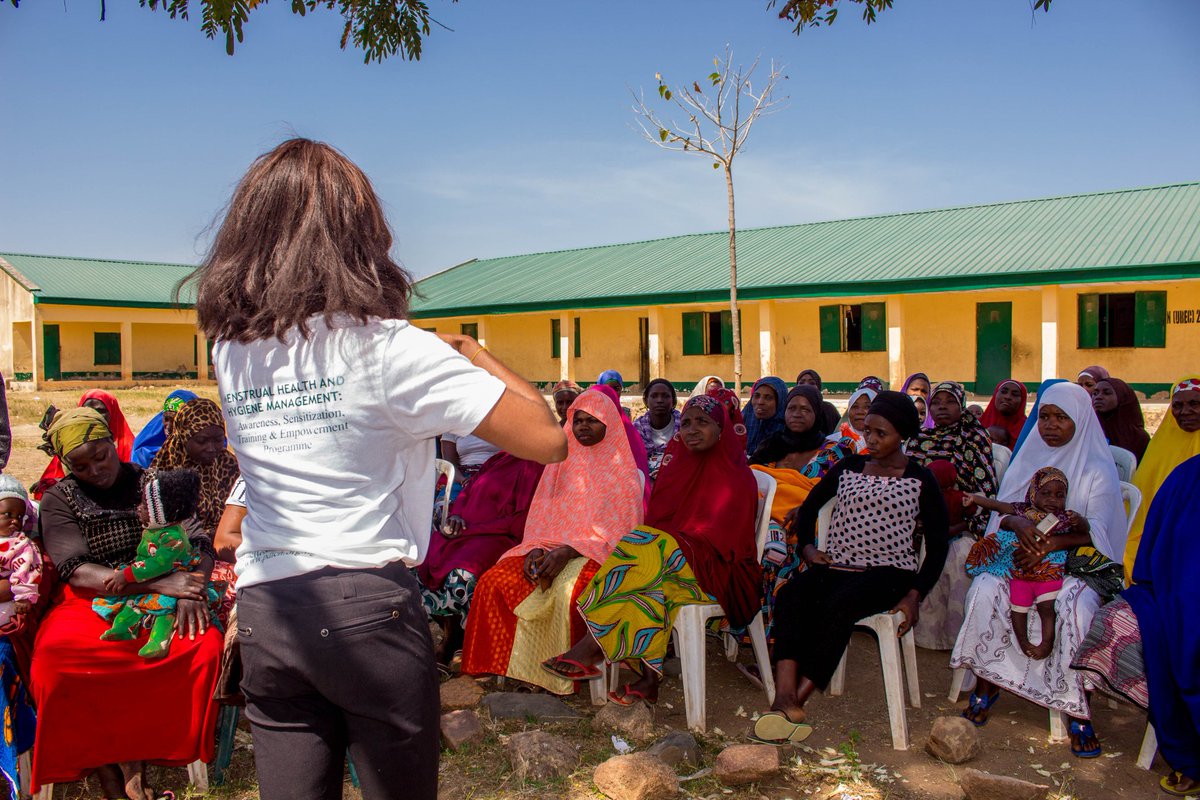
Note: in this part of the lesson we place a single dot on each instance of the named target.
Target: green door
(51, 353)
(993, 345)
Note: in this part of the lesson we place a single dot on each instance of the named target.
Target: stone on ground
(516, 705)
(460, 692)
(953, 739)
(638, 776)
(540, 756)
(978, 785)
(635, 721)
(740, 764)
(460, 728)
(675, 748)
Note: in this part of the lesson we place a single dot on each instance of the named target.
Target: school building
(89, 322)
(1028, 290)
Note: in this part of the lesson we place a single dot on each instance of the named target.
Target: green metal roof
(1135, 234)
(97, 282)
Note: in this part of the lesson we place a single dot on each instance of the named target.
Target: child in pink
(20, 560)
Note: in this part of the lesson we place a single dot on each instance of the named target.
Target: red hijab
(708, 501)
(1012, 423)
(117, 425)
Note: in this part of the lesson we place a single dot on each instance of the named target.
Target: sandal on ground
(629, 695)
(1083, 730)
(582, 672)
(1168, 783)
(775, 728)
(977, 705)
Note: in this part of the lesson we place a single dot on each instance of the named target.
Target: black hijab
(787, 441)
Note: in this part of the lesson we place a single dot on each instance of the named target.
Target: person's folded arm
(935, 523)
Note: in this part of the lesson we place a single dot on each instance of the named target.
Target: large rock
(675, 748)
(461, 728)
(953, 739)
(978, 785)
(460, 692)
(515, 705)
(540, 756)
(638, 776)
(635, 720)
(740, 764)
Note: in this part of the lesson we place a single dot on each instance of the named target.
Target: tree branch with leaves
(714, 123)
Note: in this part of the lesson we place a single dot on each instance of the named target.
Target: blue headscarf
(759, 430)
(610, 375)
(1031, 420)
(152, 437)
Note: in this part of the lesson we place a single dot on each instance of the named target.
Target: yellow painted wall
(685, 369)
(609, 340)
(799, 344)
(1130, 364)
(78, 346)
(164, 348)
(16, 306)
(22, 348)
(522, 341)
(57, 313)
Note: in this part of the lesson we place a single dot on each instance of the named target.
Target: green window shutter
(1150, 319)
(1089, 321)
(726, 333)
(693, 333)
(578, 338)
(107, 349)
(555, 339)
(831, 329)
(874, 327)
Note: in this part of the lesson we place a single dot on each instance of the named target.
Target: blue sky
(514, 133)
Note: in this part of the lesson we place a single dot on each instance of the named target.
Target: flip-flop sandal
(1167, 785)
(1084, 730)
(621, 698)
(585, 671)
(775, 728)
(976, 704)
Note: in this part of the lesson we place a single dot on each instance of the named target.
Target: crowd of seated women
(546, 574)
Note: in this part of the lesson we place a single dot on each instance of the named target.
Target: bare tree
(717, 124)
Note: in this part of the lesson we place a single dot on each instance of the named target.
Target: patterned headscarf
(71, 429)
(871, 382)
(964, 442)
(174, 403)
(566, 386)
(217, 478)
(1186, 385)
(1041, 478)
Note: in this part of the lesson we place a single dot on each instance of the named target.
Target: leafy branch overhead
(814, 13)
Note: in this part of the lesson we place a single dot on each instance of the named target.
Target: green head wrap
(174, 404)
(72, 429)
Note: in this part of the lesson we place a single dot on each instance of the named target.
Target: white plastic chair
(1001, 457)
(1126, 462)
(1131, 496)
(886, 628)
(1145, 758)
(688, 630)
(445, 468)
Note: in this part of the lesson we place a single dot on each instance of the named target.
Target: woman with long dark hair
(332, 401)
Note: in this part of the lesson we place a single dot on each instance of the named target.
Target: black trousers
(816, 610)
(340, 660)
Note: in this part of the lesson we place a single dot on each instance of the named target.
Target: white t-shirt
(472, 451)
(237, 496)
(334, 438)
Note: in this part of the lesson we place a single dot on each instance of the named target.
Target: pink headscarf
(636, 445)
(593, 498)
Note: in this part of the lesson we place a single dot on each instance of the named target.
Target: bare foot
(795, 713)
(134, 775)
(1182, 783)
(112, 782)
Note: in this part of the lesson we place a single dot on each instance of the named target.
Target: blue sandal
(977, 705)
(1083, 729)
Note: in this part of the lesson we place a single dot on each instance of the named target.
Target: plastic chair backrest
(1126, 463)
(1001, 456)
(1133, 501)
(766, 496)
(445, 468)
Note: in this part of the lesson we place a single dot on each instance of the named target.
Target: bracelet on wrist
(482, 347)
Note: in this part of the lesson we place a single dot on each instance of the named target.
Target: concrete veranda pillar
(656, 355)
(1049, 332)
(767, 359)
(36, 333)
(201, 356)
(127, 351)
(895, 342)
(566, 346)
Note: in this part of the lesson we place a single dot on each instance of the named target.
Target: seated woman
(707, 383)
(106, 709)
(523, 611)
(610, 377)
(870, 564)
(1120, 415)
(697, 546)
(1089, 375)
(856, 414)
(660, 423)
(829, 413)
(1146, 644)
(486, 519)
(152, 437)
(109, 409)
(632, 436)
(564, 393)
(764, 411)
(957, 436)
(918, 387)
(797, 458)
(1176, 440)
(1006, 411)
(1066, 436)
(467, 453)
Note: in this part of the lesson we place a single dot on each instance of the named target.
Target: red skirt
(101, 703)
